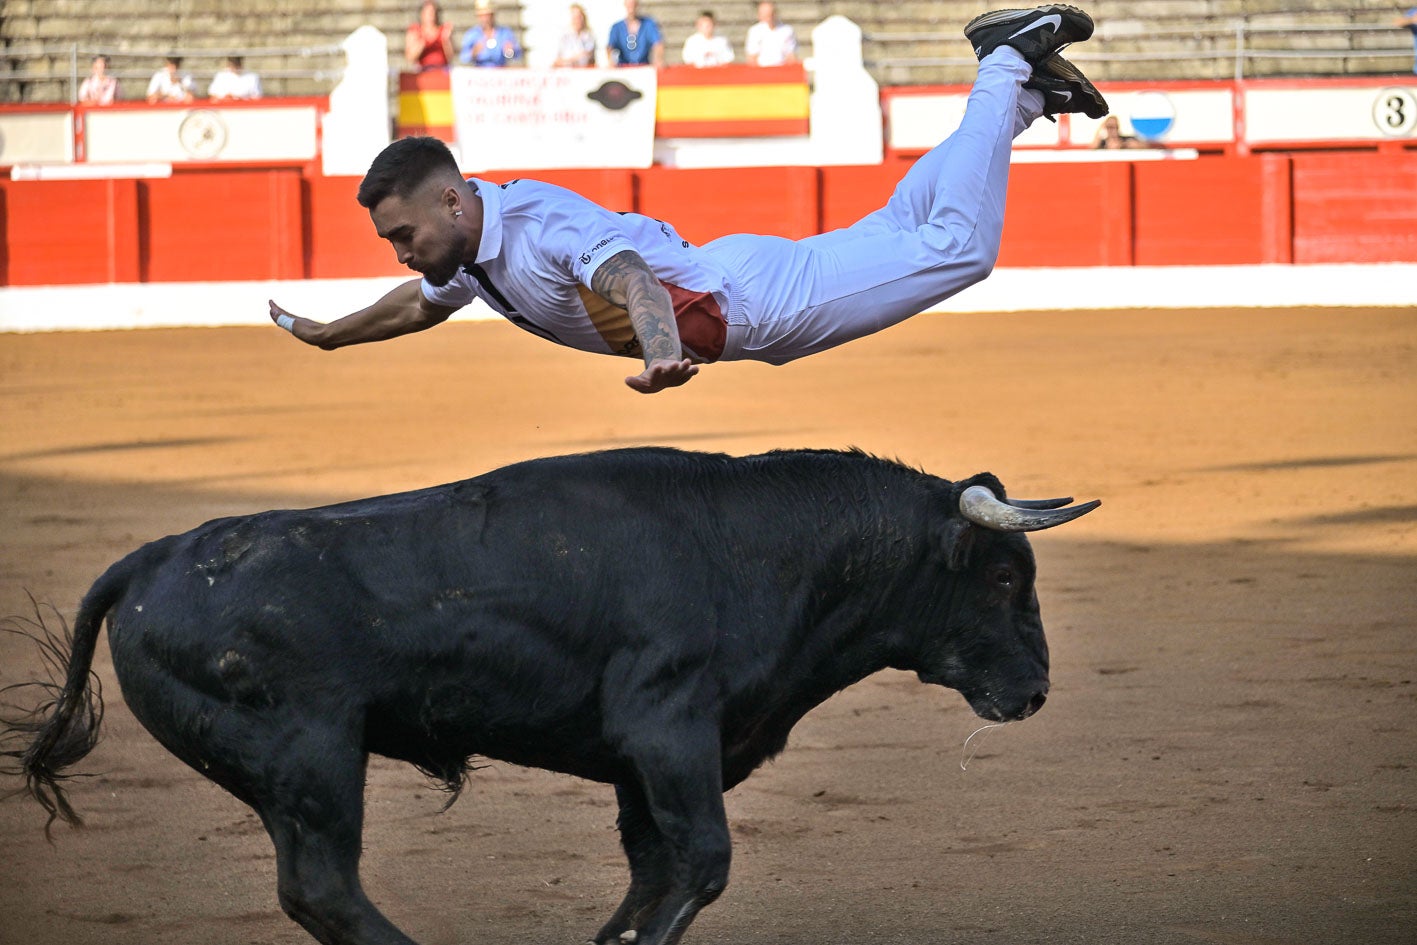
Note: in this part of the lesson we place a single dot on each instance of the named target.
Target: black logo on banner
(615, 95)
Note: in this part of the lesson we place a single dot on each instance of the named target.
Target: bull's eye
(1003, 576)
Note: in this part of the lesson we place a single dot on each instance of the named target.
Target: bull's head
(992, 648)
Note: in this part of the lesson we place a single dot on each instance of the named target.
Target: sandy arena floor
(1229, 755)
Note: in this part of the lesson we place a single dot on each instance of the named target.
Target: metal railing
(77, 57)
(1233, 43)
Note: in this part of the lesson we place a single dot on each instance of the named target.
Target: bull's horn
(1039, 503)
(982, 507)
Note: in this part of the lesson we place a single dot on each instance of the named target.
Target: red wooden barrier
(1355, 207)
(704, 204)
(287, 222)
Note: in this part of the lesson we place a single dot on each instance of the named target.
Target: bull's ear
(957, 538)
(956, 535)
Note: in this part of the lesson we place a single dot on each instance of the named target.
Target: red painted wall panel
(849, 193)
(63, 232)
(218, 225)
(1209, 212)
(1068, 215)
(613, 188)
(1355, 207)
(340, 236)
(709, 203)
(4, 235)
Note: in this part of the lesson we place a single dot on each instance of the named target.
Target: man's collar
(490, 244)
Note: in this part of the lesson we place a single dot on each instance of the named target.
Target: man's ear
(452, 200)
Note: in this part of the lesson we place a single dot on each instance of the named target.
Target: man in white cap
(488, 44)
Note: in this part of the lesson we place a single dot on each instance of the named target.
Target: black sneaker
(1066, 89)
(1036, 34)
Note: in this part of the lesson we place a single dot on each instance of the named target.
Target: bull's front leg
(651, 865)
(679, 772)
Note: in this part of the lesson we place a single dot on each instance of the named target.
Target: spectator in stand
(488, 44)
(704, 48)
(635, 40)
(1409, 20)
(99, 88)
(1109, 137)
(428, 44)
(168, 84)
(232, 82)
(576, 49)
(770, 42)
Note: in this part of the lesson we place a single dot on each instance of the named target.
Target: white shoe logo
(1054, 21)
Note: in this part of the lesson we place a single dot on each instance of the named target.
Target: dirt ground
(1229, 754)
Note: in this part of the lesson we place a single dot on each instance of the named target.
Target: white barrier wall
(41, 137)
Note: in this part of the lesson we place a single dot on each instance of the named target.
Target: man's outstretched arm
(403, 311)
(625, 279)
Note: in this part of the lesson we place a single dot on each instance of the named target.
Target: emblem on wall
(202, 133)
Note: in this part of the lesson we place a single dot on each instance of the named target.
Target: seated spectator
(1110, 138)
(635, 40)
(169, 85)
(770, 42)
(234, 83)
(99, 88)
(488, 44)
(576, 49)
(428, 44)
(703, 48)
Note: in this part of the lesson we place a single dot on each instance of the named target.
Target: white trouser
(938, 234)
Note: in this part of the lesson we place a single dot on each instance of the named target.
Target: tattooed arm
(626, 280)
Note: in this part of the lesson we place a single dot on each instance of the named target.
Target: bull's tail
(39, 743)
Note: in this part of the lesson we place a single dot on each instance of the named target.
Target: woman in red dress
(428, 43)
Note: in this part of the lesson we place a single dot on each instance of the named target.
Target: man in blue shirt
(1409, 20)
(635, 40)
(488, 44)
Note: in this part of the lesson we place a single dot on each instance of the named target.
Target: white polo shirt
(541, 244)
(771, 44)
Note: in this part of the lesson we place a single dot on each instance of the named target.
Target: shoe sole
(1060, 10)
(1057, 68)
(985, 20)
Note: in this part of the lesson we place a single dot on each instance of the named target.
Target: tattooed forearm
(626, 280)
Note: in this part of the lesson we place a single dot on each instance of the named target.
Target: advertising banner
(526, 119)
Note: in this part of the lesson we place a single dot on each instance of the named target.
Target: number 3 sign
(1395, 112)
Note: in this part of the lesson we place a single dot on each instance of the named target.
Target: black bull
(653, 619)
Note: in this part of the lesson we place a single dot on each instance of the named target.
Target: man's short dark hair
(403, 167)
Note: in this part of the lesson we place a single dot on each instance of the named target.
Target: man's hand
(662, 373)
(303, 328)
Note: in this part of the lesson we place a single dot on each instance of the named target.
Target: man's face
(423, 234)
(766, 12)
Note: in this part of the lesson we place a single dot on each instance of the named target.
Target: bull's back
(503, 615)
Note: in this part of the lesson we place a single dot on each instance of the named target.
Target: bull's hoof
(628, 937)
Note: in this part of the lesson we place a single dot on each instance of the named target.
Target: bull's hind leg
(651, 864)
(683, 785)
(312, 803)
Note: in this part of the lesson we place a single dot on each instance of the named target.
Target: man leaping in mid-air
(580, 275)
